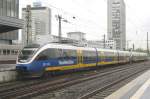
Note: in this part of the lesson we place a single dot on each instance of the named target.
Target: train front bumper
(24, 72)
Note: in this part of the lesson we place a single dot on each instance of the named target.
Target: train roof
(65, 46)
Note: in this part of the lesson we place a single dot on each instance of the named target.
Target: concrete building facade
(40, 23)
(80, 36)
(9, 21)
(9, 53)
(96, 44)
(116, 19)
(109, 44)
(43, 39)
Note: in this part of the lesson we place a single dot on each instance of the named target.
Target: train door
(96, 57)
(118, 57)
(79, 58)
(101, 57)
(115, 56)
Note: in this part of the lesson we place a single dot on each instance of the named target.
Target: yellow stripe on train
(57, 68)
(61, 68)
(107, 63)
(69, 67)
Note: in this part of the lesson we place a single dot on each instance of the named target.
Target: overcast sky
(91, 18)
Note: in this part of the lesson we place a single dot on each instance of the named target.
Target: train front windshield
(26, 54)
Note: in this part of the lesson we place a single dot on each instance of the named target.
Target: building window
(4, 5)
(12, 9)
(4, 52)
(9, 7)
(8, 52)
(0, 52)
(1, 7)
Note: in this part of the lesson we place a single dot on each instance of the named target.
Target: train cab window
(25, 54)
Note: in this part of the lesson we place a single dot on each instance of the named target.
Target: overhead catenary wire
(140, 32)
(78, 18)
(82, 22)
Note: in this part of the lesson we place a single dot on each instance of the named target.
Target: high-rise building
(9, 21)
(116, 26)
(37, 22)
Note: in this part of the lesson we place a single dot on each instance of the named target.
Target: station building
(9, 25)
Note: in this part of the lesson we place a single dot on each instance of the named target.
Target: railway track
(33, 90)
(107, 86)
(29, 82)
(4, 87)
(106, 92)
(87, 89)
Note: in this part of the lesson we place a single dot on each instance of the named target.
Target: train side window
(101, 56)
(50, 54)
(66, 54)
(54, 53)
(73, 54)
(89, 56)
(59, 54)
(42, 55)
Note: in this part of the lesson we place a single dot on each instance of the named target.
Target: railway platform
(138, 88)
(7, 67)
(7, 72)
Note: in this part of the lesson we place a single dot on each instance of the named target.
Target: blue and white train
(34, 60)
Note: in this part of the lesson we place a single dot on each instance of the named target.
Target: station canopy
(9, 24)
